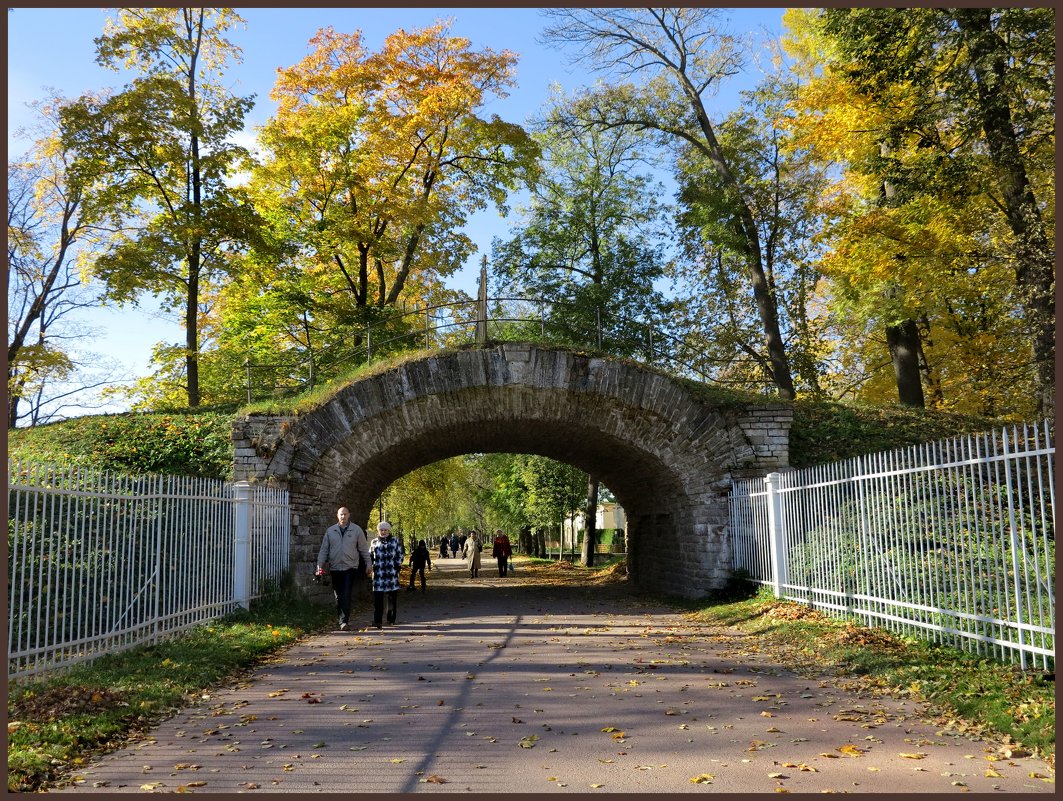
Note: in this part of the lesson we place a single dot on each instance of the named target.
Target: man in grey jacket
(346, 550)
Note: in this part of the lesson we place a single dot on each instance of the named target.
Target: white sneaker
(343, 626)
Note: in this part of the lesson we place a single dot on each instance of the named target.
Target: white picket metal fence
(951, 540)
(99, 562)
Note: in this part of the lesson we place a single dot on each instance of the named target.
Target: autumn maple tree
(376, 159)
(939, 123)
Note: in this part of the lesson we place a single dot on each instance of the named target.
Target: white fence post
(242, 544)
(776, 543)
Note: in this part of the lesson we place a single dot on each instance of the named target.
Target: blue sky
(53, 48)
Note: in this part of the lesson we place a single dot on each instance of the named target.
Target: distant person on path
(472, 554)
(345, 550)
(455, 546)
(418, 559)
(501, 552)
(443, 550)
(385, 554)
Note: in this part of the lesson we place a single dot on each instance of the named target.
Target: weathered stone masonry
(668, 456)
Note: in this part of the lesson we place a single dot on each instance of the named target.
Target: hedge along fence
(952, 540)
(99, 562)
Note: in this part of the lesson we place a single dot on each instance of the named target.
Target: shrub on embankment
(187, 442)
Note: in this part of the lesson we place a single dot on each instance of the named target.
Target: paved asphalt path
(512, 685)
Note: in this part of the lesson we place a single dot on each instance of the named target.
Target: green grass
(187, 442)
(57, 723)
(966, 692)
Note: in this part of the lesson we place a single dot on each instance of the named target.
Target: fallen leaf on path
(529, 741)
(703, 778)
(433, 779)
(851, 750)
(913, 756)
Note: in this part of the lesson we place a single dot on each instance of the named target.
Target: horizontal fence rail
(500, 319)
(99, 562)
(952, 540)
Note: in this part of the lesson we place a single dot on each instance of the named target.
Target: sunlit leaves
(377, 158)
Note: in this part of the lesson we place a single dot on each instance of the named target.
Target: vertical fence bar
(242, 544)
(776, 543)
(1014, 540)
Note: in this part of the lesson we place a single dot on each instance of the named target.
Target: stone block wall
(668, 457)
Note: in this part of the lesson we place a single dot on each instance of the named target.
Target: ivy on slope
(181, 443)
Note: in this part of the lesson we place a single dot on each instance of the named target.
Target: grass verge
(965, 693)
(57, 723)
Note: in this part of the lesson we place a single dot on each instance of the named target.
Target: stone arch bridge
(667, 454)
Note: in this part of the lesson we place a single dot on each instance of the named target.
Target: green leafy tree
(160, 152)
(592, 234)
(684, 57)
(555, 490)
(782, 185)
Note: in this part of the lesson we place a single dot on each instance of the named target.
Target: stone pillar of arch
(666, 449)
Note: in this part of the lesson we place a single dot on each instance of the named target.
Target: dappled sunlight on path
(545, 682)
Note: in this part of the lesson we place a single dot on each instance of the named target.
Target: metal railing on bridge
(950, 540)
(500, 319)
(99, 562)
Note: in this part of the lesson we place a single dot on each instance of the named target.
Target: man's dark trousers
(343, 583)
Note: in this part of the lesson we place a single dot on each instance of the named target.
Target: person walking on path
(454, 545)
(501, 552)
(385, 554)
(418, 559)
(443, 549)
(345, 549)
(472, 550)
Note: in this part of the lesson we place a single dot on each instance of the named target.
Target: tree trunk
(904, 346)
(195, 257)
(192, 331)
(12, 404)
(1034, 257)
(590, 526)
(539, 541)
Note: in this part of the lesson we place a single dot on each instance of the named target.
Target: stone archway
(668, 455)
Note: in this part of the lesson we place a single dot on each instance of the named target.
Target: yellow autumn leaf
(992, 774)
(851, 750)
(703, 778)
(913, 756)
